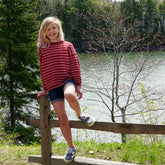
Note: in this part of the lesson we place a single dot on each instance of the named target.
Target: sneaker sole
(69, 161)
(91, 124)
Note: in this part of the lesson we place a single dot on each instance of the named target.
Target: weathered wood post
(46, 147)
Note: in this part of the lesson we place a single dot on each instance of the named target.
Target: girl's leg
(69, 94)
(64, 123)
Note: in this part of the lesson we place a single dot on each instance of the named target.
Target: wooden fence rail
(127, 128)
(45, 124)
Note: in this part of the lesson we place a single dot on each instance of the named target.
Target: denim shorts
(57, 94)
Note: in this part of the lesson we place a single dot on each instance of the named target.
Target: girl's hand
(41, 93)
(79, 92)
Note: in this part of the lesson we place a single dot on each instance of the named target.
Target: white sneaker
(69, 157)
(87, 119)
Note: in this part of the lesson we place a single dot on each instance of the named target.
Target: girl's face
(52, 33)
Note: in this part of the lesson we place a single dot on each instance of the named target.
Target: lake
(97, 76)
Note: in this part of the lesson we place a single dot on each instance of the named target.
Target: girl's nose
(51, 29)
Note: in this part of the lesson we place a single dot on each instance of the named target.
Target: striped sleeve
(75, 65)
(40, 64)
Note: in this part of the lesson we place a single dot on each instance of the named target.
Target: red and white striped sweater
(58, 63)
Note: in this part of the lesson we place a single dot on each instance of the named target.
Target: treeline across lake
(100, 25)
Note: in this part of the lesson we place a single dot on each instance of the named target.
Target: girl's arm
(44, 92)
(75, 66)
(79, 92)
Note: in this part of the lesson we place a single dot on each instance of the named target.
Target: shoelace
(70, 151)
(69, 154)
(85, 118)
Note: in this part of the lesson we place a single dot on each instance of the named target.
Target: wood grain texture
(59, 160)
(127, 128)
(45, 128)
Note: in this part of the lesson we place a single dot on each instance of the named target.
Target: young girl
(61, 77)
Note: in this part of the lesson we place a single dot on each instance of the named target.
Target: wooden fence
(45, 123)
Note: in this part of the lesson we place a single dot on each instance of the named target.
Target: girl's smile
(52, 33)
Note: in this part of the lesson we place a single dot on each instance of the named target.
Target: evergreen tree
(83, 9)
(132, 9)
(19, 71)
(162, 15)
(150, 14)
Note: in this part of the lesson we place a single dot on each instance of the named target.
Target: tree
(162, 15)
(19, 71)
(132, 9)
(82, 7)
(110, 33)
(151, 21)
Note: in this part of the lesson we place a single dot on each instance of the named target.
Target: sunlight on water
(97, 73)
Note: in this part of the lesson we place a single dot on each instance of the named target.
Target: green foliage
(132, 9)
(53, 115)
(17, 155)
(84, 109)
(4, 137)
(18, 135)
(80, 16)
(151, 115)
(19, 71)
(136, 151)
(74, 23)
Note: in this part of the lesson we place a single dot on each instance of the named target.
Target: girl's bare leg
(69, 94)
(64, 123)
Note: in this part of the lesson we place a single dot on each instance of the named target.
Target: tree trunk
(11, 102)
(11, 98)
(123, 136)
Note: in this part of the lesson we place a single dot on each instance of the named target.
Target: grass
(17, 155)
(135, 151)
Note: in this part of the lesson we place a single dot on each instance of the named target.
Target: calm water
(97, 74)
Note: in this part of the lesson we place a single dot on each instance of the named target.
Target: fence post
(46, 147)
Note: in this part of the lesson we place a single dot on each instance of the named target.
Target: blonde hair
(43, 40)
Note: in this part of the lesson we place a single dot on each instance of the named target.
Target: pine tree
(19, 71)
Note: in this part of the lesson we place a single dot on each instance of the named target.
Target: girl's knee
(70, 97)
(63, 119)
